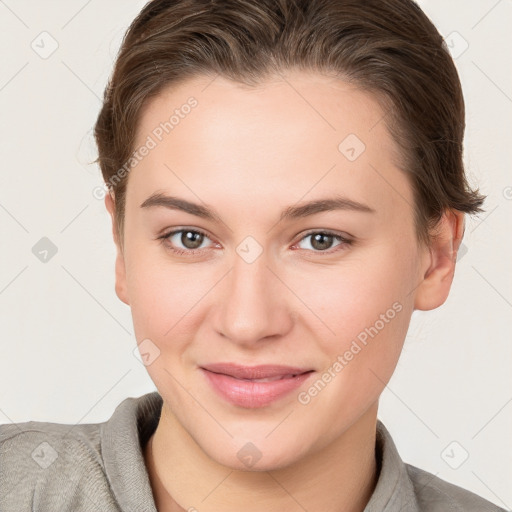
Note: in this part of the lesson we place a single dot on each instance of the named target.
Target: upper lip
(262, 371)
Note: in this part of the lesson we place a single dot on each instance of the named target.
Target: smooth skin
(248, 154)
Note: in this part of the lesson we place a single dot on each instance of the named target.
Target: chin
(258, 455)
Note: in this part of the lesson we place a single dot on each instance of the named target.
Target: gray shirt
(100, 467)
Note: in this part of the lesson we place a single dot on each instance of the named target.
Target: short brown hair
(387, 47)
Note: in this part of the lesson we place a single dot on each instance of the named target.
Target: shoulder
(50, 466)
(402, 486)
(436, 495)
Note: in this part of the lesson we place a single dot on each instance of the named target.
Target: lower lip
(249, 394)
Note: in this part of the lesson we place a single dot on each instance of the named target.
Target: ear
(439, 263)
(121, 288)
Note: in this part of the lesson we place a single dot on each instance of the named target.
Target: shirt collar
(135, 419)
(394, 491)
(122, 439)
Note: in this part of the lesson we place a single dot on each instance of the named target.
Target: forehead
(300, 134)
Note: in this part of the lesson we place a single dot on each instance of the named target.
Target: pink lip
(231, 381)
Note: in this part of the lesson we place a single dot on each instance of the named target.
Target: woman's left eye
(322, 241)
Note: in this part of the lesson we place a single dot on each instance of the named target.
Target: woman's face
(260, 284)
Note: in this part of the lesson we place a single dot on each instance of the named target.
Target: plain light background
(67, 343)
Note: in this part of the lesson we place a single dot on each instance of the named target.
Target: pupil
(191, 240)
(319, 241)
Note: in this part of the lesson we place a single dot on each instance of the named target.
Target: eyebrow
(292, 212)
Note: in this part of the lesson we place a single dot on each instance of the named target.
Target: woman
(286, 187)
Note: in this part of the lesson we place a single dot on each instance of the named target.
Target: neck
(342, 476)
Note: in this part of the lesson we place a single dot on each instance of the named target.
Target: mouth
(254, 386)
(260, 373)
(272, 379)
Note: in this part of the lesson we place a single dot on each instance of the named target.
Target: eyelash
(344, 242)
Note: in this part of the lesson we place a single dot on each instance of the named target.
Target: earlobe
(120, 266)
(439, 268)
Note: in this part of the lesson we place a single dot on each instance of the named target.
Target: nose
(254, 305)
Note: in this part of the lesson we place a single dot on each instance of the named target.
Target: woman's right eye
(184, 241)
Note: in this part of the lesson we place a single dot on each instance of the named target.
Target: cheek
(352, 295)
(154, 288)
(369, 310)
(162, 297)
(365, 309)
(163, 301)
